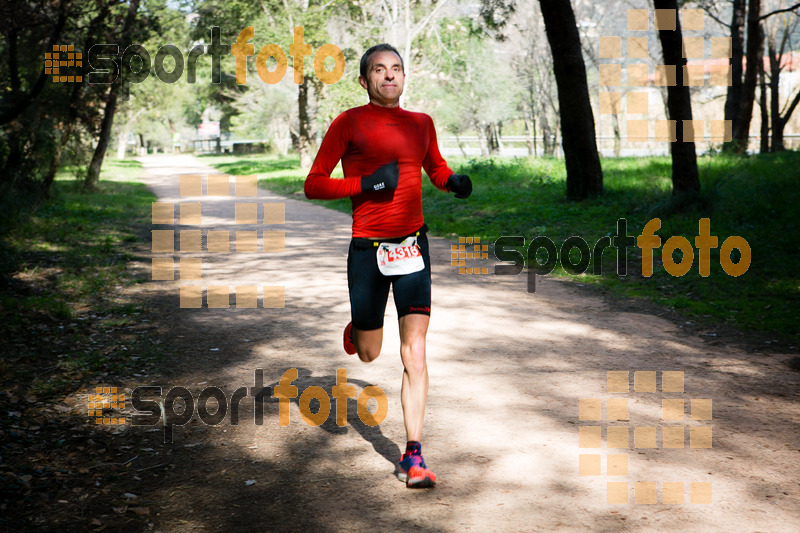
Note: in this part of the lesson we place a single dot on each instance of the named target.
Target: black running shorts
(369, 288)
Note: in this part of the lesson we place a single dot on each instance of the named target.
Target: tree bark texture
(685, 177)
(584, 174)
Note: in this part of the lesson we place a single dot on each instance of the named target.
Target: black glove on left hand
(459, 184)
(385, 178)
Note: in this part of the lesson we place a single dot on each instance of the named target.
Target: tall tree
(16, 17)
(737, 109)
(473, 89)
(52, 122)
(93, 172)
(537, 103)
(584, 174)
(594, 15)
(275, 22)
(733, 96)
(762, 104)
(28, 29)
(755, 39)
(734, 93)
(75, 101)
(685, 177)
(786, 25)
(520, 28)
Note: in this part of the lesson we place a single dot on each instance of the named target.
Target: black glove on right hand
(385, 178)
(460, 184)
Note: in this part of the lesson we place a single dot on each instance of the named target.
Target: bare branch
(784, 40)
(789, 111)
(711, 15)
(424, 22)
(777, 11)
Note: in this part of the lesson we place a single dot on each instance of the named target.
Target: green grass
(280, 174)
(71, 254)
(113, 170)
(756, 198)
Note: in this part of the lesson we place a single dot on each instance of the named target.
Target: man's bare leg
(368, 343)
(413, 329)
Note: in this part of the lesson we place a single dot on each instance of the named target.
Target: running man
(382, 148)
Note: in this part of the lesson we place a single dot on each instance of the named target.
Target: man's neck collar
(378, 106)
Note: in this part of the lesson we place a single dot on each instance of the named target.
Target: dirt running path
(507, 369)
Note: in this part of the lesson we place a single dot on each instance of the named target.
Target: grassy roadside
(71, 319)
(61, 303)
(755, 197)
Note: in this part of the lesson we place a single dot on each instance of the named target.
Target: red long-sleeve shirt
(365, 138)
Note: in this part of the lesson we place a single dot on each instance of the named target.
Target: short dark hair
(375, 49)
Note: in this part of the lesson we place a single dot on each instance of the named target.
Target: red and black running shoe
(413, 470)
(347, 339)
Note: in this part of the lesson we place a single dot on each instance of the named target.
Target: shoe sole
(421, 482)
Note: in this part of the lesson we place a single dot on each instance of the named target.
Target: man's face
(385, 79)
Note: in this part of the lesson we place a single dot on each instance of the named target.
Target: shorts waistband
(364, 243)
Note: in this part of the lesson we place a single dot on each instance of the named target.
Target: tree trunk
(75, 102)
(737, 55)
(741, 127)
(93, 172)
(734, 95)
(121, 142)
(775, 95)
(786, 116)
(584, 174)
(491, 137)
(481, 138)
(679, 108)
(547, 135)
(304, 133)
(499, 137)
(55, 158)
(66, 132)
(11, 173)
(528, 137)
(762, 103)
(22, 102)
(460, 145)
(407, 63)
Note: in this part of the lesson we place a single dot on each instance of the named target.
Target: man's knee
(368, 355)
(414, 356)
(368, 343)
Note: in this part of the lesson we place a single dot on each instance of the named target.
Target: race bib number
(395, 259)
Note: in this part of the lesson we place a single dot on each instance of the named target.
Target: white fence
(517, 146)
